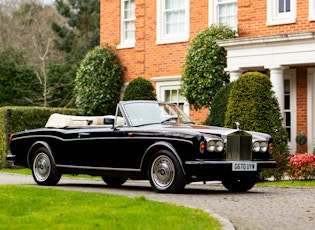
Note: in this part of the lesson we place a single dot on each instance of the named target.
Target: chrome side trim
(102, 138)
(97, 168)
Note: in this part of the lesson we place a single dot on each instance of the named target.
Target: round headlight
(263, 146)
(219, 146)
(211, 146)
(256, 146)
(215, 146)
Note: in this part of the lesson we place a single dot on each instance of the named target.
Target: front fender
(158, 146)
(34, 147)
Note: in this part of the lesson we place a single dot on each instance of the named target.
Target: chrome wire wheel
(162, 172)
(41, 167)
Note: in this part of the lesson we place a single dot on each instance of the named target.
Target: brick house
(277, 37)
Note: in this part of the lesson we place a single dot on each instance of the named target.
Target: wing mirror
(109, 121)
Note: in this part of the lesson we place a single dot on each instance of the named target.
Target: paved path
(271, 208)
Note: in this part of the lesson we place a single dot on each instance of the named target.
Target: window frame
(161, 37)
(126, 43)
(167, 83)
(290, 74)
(311, 10)
(276, 18)
(310, 110)
(214, 13)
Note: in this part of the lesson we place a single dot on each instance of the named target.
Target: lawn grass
(27, 207)
(24, 171)
(288, 183)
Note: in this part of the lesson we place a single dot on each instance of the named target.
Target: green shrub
(249, 103)
(139, 89)
(24, 118)
(253, 104)
(98, 82)
(219, 106)
(205, 61)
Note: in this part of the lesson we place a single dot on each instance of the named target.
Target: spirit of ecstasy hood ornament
(237, 125)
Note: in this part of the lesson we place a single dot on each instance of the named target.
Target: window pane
(168, 4)
(288, 119)
(287, 6)
(287, 107)
(286, 86)
(284, 6)
(129, 20)
(287, 102)
(289, 133)
(281, 6)
(126, 15)
(174, 16)
(176, 4)
(174, 95)
(227, 12)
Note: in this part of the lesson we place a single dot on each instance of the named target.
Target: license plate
(244, 166)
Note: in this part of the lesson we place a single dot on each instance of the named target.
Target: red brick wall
(301, 103)
(147, 59)
(252, 17)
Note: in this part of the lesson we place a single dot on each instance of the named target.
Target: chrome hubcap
(41, 167)
(163, 172)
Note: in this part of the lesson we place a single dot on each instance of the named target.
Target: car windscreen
(141, 113)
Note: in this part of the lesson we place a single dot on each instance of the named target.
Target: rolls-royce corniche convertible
(144, 140)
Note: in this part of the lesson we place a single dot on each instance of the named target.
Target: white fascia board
(269, 51)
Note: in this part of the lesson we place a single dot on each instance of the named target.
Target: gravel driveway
(272, 208)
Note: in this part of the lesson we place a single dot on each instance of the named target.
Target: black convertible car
(148, 140)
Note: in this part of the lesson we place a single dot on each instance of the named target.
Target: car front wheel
(165, 173)
(241, 184)
(43, 168)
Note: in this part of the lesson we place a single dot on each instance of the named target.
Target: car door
(97, 147)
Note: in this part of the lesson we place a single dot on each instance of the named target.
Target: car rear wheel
(44, 169)
(114, 181)
(165, 173)
(239, 184)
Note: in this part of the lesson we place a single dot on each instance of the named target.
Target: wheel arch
(161, 145)
(33, 149)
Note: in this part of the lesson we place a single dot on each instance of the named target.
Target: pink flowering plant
(302, 166)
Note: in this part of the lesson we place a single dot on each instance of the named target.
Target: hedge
(23, 118)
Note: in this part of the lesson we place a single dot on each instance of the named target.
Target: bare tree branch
(43, 68)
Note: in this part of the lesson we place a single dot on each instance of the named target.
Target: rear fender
(161, 145)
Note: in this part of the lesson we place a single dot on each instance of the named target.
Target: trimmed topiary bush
(205, 61)
(253, 104)
(249, 103)
(219, 106)
(139, 89)
(98, 82)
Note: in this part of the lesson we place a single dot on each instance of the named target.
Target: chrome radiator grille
(239, 146)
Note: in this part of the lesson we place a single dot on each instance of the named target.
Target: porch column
(276, 78)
